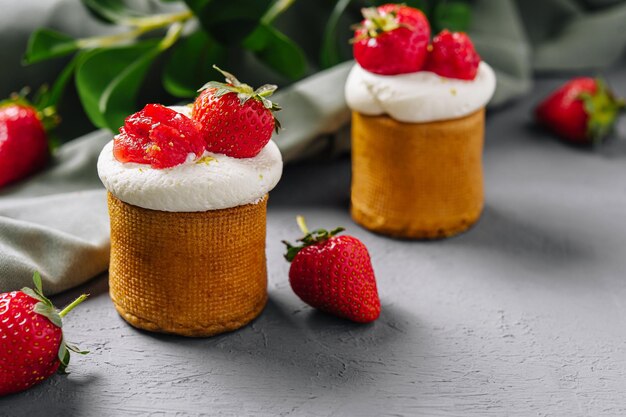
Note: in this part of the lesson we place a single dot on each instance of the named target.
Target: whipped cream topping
(420, 96)
(212, 182)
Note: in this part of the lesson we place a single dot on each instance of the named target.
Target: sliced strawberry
(158, 136)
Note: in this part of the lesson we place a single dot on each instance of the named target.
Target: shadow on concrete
(528, 242)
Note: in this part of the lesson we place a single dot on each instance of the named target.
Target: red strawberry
(237, 120)
(582, 111)
(452, 55)
(392, 39)
(158, 136)
(334, 274)
(32, 347)
(23, 141)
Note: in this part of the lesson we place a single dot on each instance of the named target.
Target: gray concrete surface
(524, 315)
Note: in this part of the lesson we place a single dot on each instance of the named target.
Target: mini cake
(187, 200)
(417, 126)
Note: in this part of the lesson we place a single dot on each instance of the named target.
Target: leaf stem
(158, 20)
(73, 304)
(276, 10)
(302, 225)
(172, 35)
(141, 26)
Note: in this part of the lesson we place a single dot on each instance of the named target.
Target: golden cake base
(417, 180)
(192, 274)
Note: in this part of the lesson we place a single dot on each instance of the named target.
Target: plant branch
(172, 35)
(141, 26)
(276, 10)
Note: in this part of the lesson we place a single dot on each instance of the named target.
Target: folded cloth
(56, 222)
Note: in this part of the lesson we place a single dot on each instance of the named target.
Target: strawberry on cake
(417, 126)
(187, 192)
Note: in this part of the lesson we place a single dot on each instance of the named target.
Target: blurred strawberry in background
(24, 144)
(583, 111)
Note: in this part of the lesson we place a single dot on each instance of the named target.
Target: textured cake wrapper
(417, 180)
(192, 274)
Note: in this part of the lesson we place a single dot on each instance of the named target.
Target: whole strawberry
(392, 39)
(583, 111)
(23, 141)
(32, 347)
(334, 274)
(452, 55)
(236, 120)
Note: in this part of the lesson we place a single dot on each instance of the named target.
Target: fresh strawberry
(452, 55)
(582, 111)
(334, 274)
(32, 347)
(237, 120)
(392, 39)
(158, 136)
(23, 140)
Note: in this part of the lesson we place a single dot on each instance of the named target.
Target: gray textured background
(524, 315)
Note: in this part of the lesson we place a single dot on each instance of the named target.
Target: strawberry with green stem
(32, 345)
(582, 111)
(236, 119)
(24, 147)
(334, 274)
(25, 129)
(391, 39)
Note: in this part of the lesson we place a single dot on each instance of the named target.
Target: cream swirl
(212, 182)
(420, 96)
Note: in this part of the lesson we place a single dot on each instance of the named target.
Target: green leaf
(37, 281)
(198, 52)
(417, 4)
(108, 81)
(277, 51)
(453, 15)
(31, 293)
(50, 312)
(54, 94)
(45, 44)
(48, 98)
(64, 357)
(330, 52)
(231, 21)
(76, 349)
(110, 11)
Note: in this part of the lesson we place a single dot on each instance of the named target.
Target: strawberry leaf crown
(309, 239)
(41, 102)
(602, 108)
(45, 308)
(244, 92)
(376, 22)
